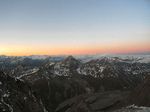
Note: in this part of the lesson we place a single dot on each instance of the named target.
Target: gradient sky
(55, 27)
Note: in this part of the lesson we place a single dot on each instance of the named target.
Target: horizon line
(129, 53)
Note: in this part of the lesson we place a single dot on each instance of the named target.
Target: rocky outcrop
(92, 102)
(54, 90)
(141, 94)
(16, 96)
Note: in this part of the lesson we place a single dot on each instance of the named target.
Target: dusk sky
(58, 27)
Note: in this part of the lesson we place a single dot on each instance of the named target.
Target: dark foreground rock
(133, 108)
(141, 94)
(93, 102)
(54, 90)
(16, 96)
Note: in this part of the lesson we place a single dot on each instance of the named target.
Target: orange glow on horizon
(73, 50)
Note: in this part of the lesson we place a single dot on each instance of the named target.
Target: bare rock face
(16, 96)
(141, 94)
(133, 108)
(53, 91)
(91, 103)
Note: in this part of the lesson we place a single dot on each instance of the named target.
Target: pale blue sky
(51, 23)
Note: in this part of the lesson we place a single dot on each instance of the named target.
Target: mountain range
(74, 84)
